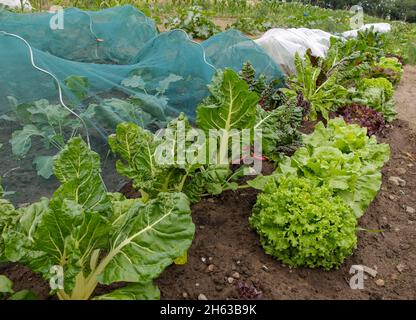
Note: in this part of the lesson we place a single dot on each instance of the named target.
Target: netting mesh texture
(110, 66)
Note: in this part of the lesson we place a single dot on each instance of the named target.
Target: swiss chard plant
(323, 97)
(84, 236)
(155, 163)
(50, 123)
(145, 105)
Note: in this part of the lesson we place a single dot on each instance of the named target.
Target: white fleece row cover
(282, 44)
(16, 4)
(377, 27)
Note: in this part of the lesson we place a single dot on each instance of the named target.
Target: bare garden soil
(226, 254)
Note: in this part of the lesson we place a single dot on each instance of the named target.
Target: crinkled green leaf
(155, 235)
(231, 104)
(303, 224)
(78, 169)
(341, 157)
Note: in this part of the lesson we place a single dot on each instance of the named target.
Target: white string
(56, 80)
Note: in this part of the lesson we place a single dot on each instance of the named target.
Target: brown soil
(225, 241)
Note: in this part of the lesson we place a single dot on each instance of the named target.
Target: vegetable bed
(225, 248)
(317, 182)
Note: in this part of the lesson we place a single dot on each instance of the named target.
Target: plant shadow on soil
(226, 252)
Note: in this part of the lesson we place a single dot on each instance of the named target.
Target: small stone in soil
(202, 297)
(397, 181)
(185, 295)
(203, 259)
(236, 275)
(391, 197)
(197, 284)
(265, 268)
(211, 268)
(230, 280)
(410, 210)
(380, 282)
(400, 267)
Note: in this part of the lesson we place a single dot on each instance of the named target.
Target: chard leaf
(165, 83)
(44, 166)
(79, 86)
(155, 235)
(137, 147)
(136, 291)
(18, 240)
(21, 140)
(6, 285)
(23, 295)
(78, 169)
(231, 105)
(134, 81)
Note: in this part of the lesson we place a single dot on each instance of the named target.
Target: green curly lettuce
(389, 68)
(380, 83)
(303, 224)
(376, 93)
(340, 157)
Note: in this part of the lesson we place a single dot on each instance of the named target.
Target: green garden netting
(102, 68)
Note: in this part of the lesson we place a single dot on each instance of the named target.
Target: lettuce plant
(304, 224)
(389, 68)
(341, 157)
(84, 236)
(379, 83)
(376, 93)
(364, 116)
